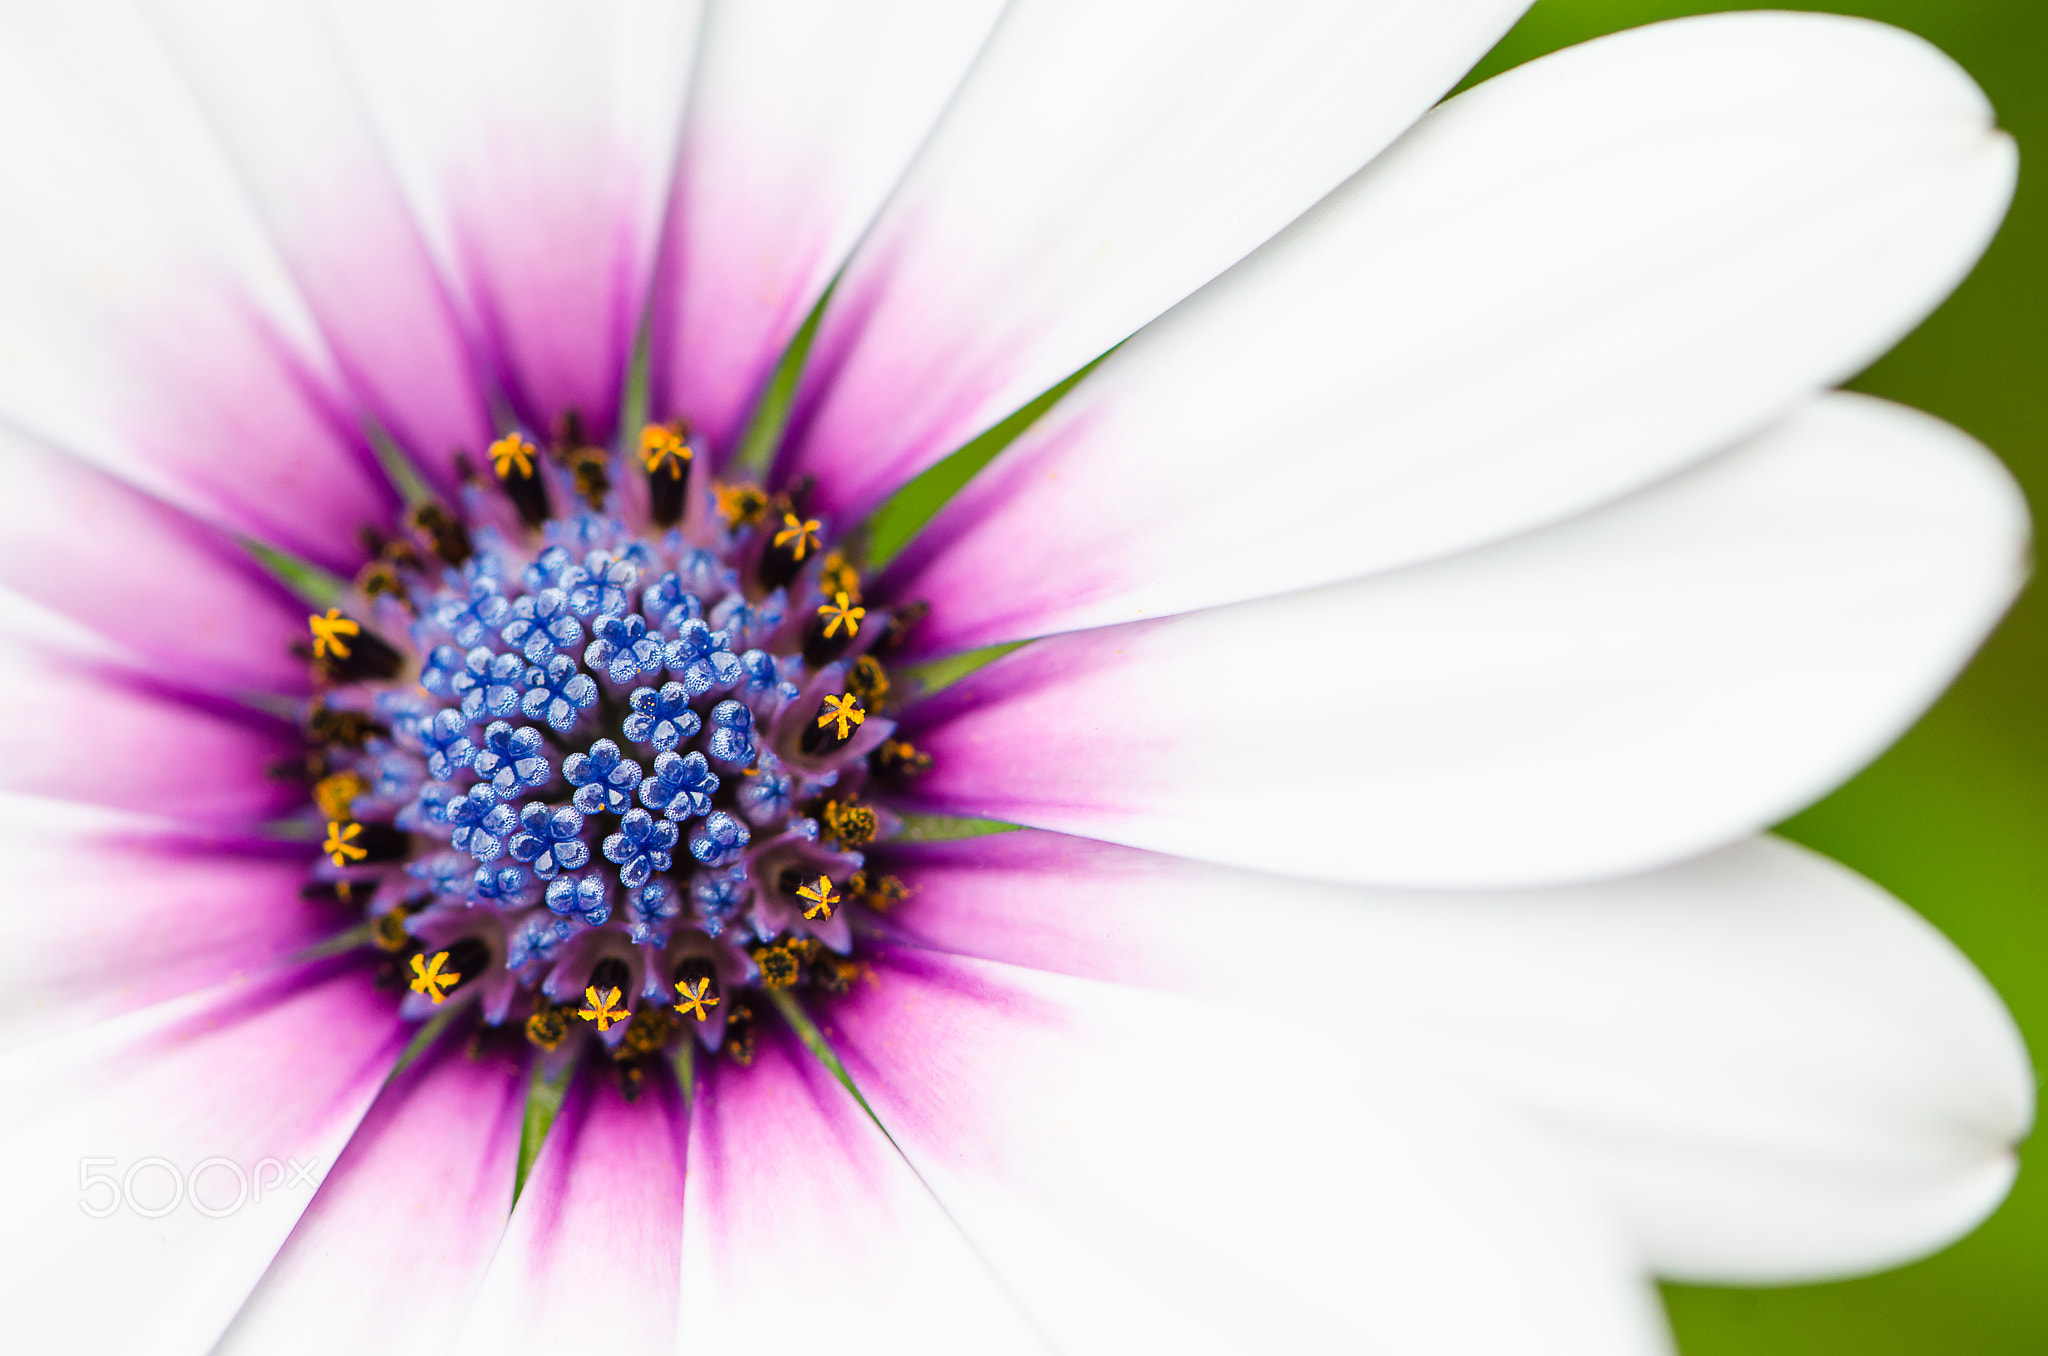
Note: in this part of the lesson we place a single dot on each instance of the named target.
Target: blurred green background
(1955, 818)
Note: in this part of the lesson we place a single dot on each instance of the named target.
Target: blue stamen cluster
(581, 758)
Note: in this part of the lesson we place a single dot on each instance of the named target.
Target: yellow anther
(693, 1001)
(511, 453)
(430, 979)
(885, 894)
(590, 467)
(868, 680)
(849, 823)
(841, 610)
(547, 1027)
(845, 710)
(334, 795)
(800, 537)
(822, 897)
(341, 843)
(328, 632)
(651, 1028)
(779, 967)
(388, 932)
(604, 1011)
(740, 505)
(660, 446)
(901, 758)
(839, 577)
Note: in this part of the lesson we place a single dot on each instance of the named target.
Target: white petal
(597, 1230)
(536, 142)
(254, 1084)
(113, 912)
(1557, 287)
(803, 116)
(145, 320)
(1640, 684)
(101, 735)
(1148, 1174)
(271, 78)
(176, 596)
(801, 1218)
(1778, 1071)
(388, 1255)
(1100, 162)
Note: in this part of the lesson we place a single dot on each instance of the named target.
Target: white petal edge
(117, 911)
(1654, 679)
(146, 321)
(1100, 162)
(797, 1206)
(285, 109)
(173, 595)
(536, 143)
(1151, 1174)
(254, 1082)
(1777, 1071)
(1557, 287)
(597, 1229)
(801, 119)
(388, 1255)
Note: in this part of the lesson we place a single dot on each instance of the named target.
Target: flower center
(597, 772)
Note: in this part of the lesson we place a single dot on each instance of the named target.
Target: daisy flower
(537, 927)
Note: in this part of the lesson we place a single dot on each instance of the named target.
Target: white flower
(1454, 567)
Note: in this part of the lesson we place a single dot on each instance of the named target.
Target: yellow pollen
(839, 577)
(845, 710)
(900, 757)
(821, 895)
(334, 795)
(328, 632)
(341, 845)
(885, 894)
(804, 534)
(430, 979)
(778, 966)
(849, 823)
(740, 505)
(650, 1031)
(389, 930)
(692, 1002)
(868, 680)
(513, 452)
(546, 1027)
(659, 447)
(604, 1011)
(840, 610)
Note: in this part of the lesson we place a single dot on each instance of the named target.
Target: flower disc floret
(483, 824)
(447, 744)
(541, 625)
(604, 778)
(719, 840)
(488, 684)
(702, 659)
(584, 898)
(682, 786)
(511, 758)
(642, 846)
(506, 820)
(558, 692)
(661, 716)
(624, 650)
(549, 839)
